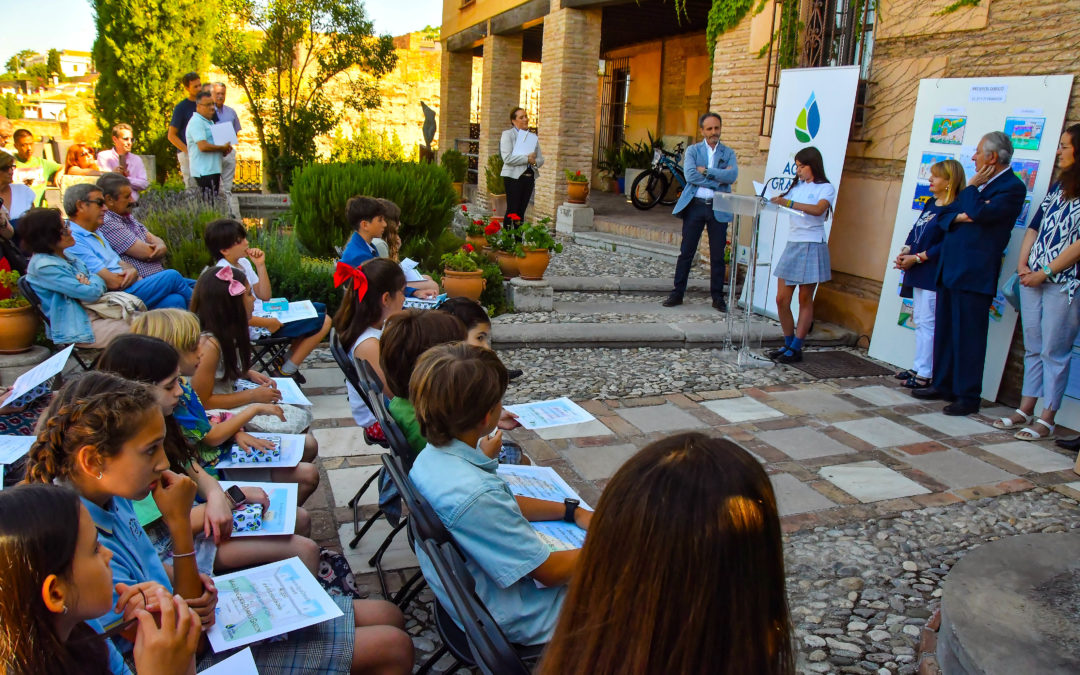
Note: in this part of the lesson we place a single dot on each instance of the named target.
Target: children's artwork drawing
(929, 159)
(1025, 132)
(907, 314)
(948, 130)
(1022, 220)
(1026, 170)
(922, 195)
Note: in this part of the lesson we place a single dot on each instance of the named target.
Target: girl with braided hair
(104, 436)
(56, 582)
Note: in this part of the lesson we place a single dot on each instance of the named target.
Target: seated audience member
(478, 324)
(405, 337)
(55, 581)
(120, 159)
(372, 294)
(135, 244)
(154, 362)
(457, 391)
(63, 283)
(103, 425)
(213, 438)
(6, 131)
(228, 244)
(85, 206)
(36, 172)
(18, 197)
(80, 161)
(391, 241)
(367, 216)
(684, 549)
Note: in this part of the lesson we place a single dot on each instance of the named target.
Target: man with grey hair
(85, 206)
(225, 114)
(136, 245)
(968, 275)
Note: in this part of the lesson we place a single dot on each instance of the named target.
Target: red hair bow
(345, 272)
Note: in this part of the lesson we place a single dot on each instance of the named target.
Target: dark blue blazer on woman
(924, 275)
(971, 252)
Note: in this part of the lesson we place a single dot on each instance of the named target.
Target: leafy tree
(53, 63)
(366, 144)
(39, 74)
(286, 55)
(18, 61)
(10, 108)
(143, 48)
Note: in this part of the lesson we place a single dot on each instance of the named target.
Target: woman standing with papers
(522, 159)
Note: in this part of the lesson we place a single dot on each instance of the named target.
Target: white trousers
(228, 171)
(925, 312)
(185, 170)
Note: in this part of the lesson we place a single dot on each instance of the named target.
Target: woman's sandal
(1007, 423)
(905, 374)
(1032, 434)
(916, 382)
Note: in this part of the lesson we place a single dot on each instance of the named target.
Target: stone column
(499, 94)
(568, 90)
(455, 94)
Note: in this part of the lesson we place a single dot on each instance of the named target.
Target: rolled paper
(257, 455)
(247, 518)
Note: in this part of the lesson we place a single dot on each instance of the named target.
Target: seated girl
(105, 437)
(212, 438)
(223, 302)
(154, 362)
(688, 502)
(372, 294)
(56, 582)
(228, 244)
(64, 282)
(80, 161)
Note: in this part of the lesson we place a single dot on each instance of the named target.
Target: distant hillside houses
(72, 63)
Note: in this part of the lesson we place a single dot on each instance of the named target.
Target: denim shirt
(501, 547)
(56, 280)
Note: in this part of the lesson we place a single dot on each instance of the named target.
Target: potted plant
(638, 157)
(18, 321)
(577, 186)
(495, 186)
(490, 230)
(613, 167)
(457, 165)
(462, 273)
(506, 242)
(538, 244)
(474, 229)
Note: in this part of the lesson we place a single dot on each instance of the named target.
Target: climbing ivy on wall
(723, 16)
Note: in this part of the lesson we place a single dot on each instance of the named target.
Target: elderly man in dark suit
(968, 275)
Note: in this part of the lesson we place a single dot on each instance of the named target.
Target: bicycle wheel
(673, 189)
(647, 189)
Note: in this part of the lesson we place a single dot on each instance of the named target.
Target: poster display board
(951, 115)
(813, 107)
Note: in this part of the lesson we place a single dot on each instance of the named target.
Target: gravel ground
(585, 261)
(582, 296)
(860, 594)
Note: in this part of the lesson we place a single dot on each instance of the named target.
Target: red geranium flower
(578, 173)
(492, 228)
(468, 248)
(477, 222)
(464, 208)
(513, 216)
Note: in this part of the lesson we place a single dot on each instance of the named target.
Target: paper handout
(542, 482)
(408, 266)
(37, 376)
(553, 413)
(261, 602)
(290, 391)
(525, 143)
(14, 447)
(223, 132)
(240, 663)
(293, 311)
(280, 517)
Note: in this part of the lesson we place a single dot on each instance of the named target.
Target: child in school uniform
(371, 219)
(477, 322)
(457, 391)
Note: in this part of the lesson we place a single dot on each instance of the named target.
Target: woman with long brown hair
(682, 571)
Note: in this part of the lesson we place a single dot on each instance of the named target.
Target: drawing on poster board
(1025, 132)
(967, 160)
(929, 159)
(1022, 220)
(948, 130)
(1026, 170)
(997, 307)
(907, 314)
(922, 195)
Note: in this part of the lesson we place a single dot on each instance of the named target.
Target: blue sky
(69, 24)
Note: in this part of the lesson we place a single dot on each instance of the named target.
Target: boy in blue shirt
(368, 216)
(457, 390)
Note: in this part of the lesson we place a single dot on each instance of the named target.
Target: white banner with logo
(813, 108)
(951, 115)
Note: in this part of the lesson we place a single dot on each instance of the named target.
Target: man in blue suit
(971, 256)
(709, 167)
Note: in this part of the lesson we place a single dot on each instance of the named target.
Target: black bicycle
(662, 182)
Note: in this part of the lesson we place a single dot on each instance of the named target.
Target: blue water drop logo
(808, 123)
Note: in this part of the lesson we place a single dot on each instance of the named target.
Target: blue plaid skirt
(804, 262)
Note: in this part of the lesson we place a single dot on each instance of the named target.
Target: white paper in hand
(408, 266)
(223, 132)
(525, 144)
(37, 375)
(240, 663)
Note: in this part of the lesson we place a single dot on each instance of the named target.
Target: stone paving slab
(345, 482)
(741, 409)
(793, 496)
(957, 469)
(871, 481)
(666, 418)
(330, 406)
(591, 428)
(320, 378)
(803, 443)
(881, 433)
(881, 395)
(953, 426)
(398, 555)
(600, 462)
(1035, 457)
(344, 442)
(814, 401)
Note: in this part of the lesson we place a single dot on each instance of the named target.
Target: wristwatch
(571, 507)
(1047, 271)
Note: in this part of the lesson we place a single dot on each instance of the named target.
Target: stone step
(700, 308)
(621, 244)
(610, 284)
(673, 335)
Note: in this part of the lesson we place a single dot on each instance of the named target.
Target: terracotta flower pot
(535, 262)
(498, 205)
(463, 284)
(489, 252)
(577, 192)
(18, 327)
(508, 263)
(476, 240)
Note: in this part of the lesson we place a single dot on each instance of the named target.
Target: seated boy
(457, 390)
(478, 324)
(367, 216)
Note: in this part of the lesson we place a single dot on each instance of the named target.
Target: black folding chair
(266, 350)
(423, 523)
(482, 644)
(84, 357)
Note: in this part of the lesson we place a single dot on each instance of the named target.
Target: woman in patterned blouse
(1049, 308)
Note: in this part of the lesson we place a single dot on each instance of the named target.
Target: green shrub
(366, 144)
(423, 191)
(495, 184)
(455, 164)
(294, 275)
(180, 219)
